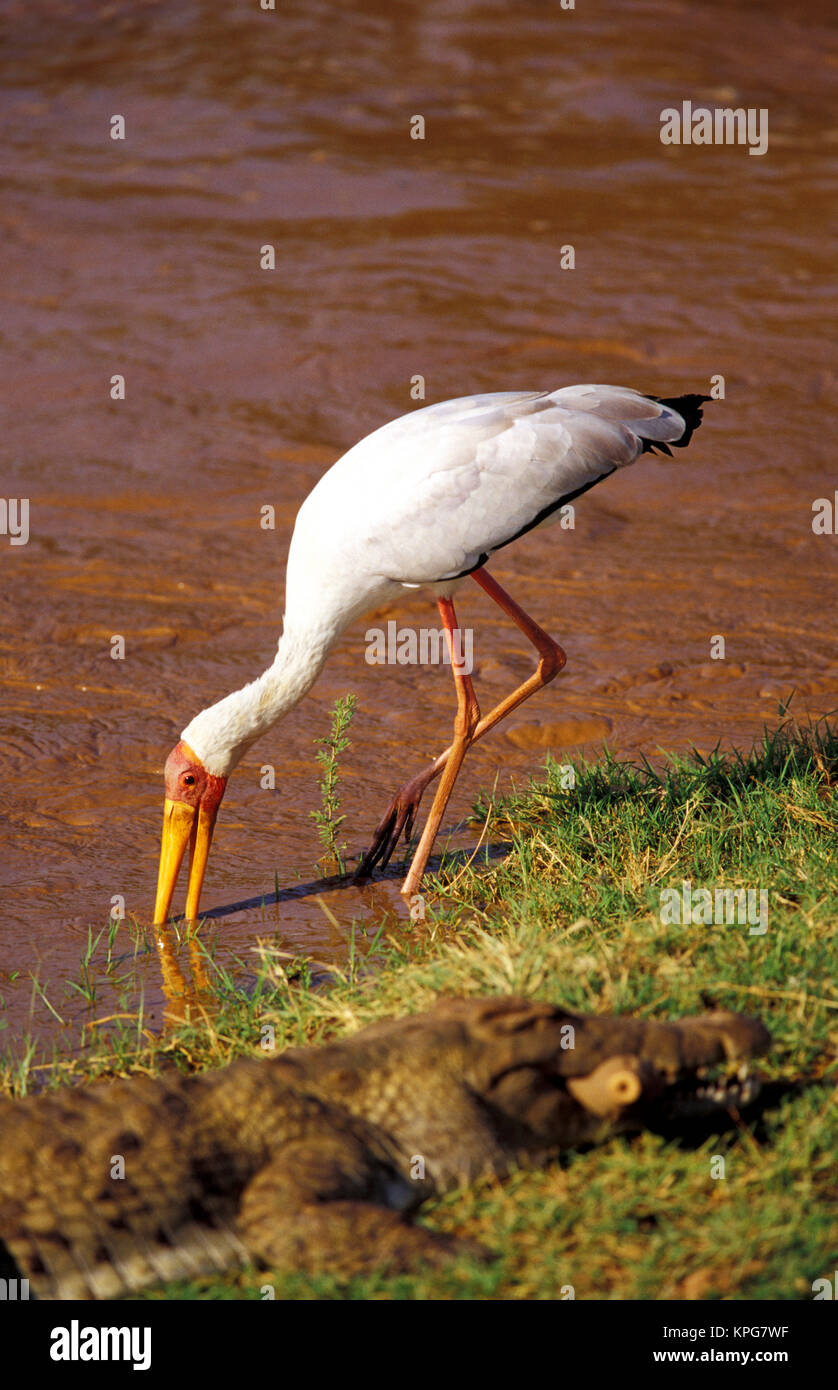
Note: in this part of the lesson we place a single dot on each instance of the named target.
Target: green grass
(572, 914)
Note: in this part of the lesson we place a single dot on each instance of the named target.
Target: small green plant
(328, 817)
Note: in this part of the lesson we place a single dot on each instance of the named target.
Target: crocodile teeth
(728, 1092)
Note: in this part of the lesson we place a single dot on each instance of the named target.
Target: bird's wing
(432, 494)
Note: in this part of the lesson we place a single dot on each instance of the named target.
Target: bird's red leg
(551, 657)
(465, 723)
(401, 813)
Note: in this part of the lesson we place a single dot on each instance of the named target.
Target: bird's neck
(221, 734)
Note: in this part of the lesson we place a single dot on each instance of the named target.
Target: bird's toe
(398, 820)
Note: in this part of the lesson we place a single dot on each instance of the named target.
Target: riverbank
(587, 909)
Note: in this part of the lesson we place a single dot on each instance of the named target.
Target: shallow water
(394, 257)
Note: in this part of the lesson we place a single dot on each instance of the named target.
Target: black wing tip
(689, 407)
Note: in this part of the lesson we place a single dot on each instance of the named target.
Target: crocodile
(316, 1158)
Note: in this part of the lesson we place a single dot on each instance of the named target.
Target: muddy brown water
(395, 257)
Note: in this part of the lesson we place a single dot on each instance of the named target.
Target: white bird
(420, 503)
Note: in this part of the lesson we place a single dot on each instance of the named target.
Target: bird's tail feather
(690, 409)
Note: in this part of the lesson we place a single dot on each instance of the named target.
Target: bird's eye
(188, 779)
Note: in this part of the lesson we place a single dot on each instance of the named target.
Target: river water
(395, 258)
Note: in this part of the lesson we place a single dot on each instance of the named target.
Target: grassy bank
(573, 914)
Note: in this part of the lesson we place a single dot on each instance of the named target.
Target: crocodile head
(561, 1078)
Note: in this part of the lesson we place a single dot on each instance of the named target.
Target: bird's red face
(193, 796)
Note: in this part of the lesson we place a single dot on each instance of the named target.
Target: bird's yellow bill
(183, 825)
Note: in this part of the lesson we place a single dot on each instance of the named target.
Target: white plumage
(421, 499)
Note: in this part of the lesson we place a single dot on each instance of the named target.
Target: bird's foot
(398, 820)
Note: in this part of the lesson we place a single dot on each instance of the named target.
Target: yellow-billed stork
(421, 503)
